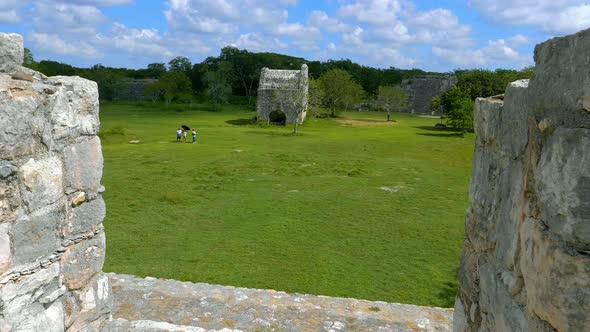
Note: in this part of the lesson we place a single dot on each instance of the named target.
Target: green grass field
(349, 207)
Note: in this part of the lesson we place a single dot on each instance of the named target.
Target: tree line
(334, 85)
(237, 71)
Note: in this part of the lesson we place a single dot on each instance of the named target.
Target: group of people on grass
(181, 133)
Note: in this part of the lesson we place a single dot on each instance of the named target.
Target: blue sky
(432, 35)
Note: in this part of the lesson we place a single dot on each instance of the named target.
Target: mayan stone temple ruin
(283, 91)
(525, 265)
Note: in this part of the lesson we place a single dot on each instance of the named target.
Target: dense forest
(241, 68)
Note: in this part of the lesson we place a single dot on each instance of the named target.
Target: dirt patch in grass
(365, 122)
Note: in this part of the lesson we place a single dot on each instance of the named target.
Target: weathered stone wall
(52, 244)
(526, 259)
(133, 89)
(282, 90)
(421, 90)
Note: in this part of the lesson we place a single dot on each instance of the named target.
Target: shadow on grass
(447, 295)
(442, 134)
(240, 122)
(274, 133)
(432, 128)
(436, 132)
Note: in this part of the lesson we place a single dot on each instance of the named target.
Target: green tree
(217, 83)
(459, 106)
(28, 58)
(108, 81)
(460, 116)
(180, 64)
(435, 105)
(339, 90)
(156, 69)
(171, 86)
(315, 97)
(392, 99)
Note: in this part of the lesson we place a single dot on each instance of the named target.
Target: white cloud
(99, 2)
(519, 39)
(320, 19)
(440, 27)
(66, 18)
(9, 16)
(55, 44)
(135, 41)
(221, 16)
(10, 11)
(552, 16)
(257, 43)
(297, 30)
(375, 12)
(496, 52)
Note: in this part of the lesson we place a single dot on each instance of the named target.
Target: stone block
(563, 182)
(561, 80)
(557, 283)
(85, 217)
(11, 52)
(42, 182)
(21, 309)
(82, 261)
(75, 107)
(5, 248)
(92, 305)
(22, 121)
(83, 166)
(513, 126)
(501, 312)
(9, 201)
(36, 235)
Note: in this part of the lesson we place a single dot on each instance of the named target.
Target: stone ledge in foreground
(170, 305)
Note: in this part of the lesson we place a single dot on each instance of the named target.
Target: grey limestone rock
(42, 182)
(11, 52)
(421, 89)
(36, 236)
(223, 308)
(82, 261)
(51, 242)
(85, 217)
(83, 166)
(525, 261)
(22, 309)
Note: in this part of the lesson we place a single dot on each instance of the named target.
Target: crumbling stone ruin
(52, 244)
(133, 89)
(421, 89)
(526, 259)
(525, 263)
(283, 91)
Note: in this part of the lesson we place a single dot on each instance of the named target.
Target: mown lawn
(352, 208)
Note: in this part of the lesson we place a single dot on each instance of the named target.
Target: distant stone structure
(133, 89)
(281, 91)
(526, 259)
(52, 244)
(422, 88)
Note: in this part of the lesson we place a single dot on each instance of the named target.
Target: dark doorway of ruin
(277, 118)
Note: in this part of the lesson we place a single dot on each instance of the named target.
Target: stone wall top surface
(214, 307)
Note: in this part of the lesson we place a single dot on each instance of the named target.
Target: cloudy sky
(428, 34)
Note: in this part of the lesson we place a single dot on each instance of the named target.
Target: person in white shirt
(178, 134)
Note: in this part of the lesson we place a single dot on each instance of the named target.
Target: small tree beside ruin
(392, 99)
